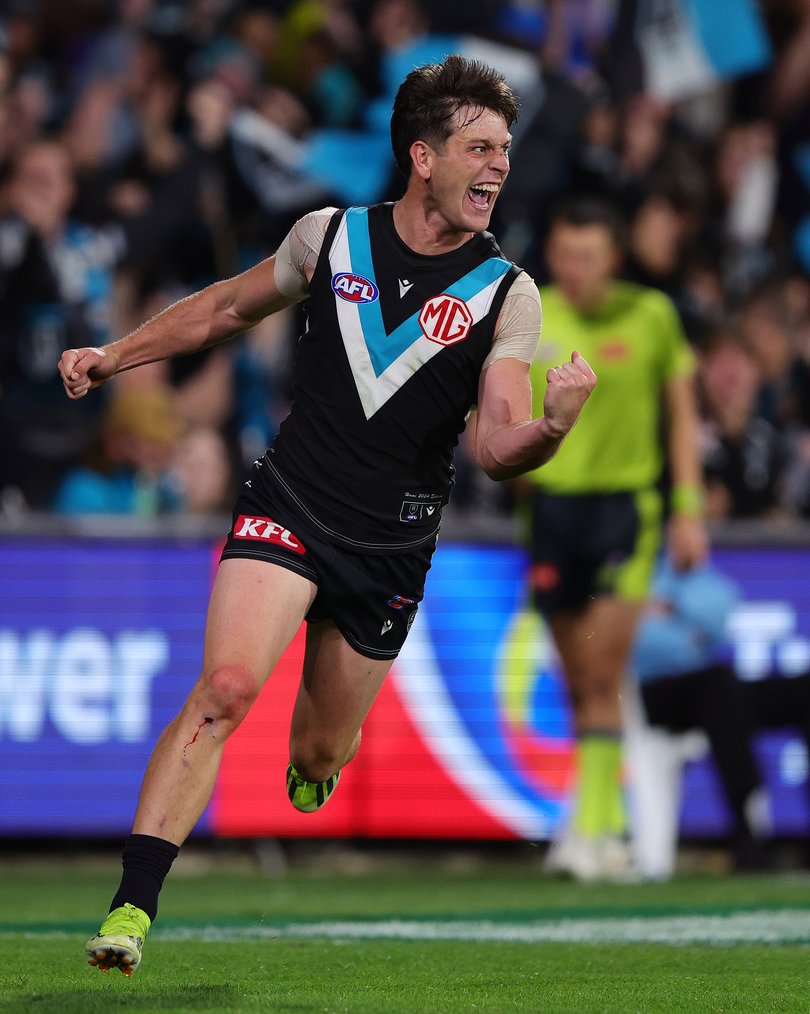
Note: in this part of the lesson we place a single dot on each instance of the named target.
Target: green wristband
(687, 499)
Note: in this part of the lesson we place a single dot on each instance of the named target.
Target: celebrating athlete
(414, 316)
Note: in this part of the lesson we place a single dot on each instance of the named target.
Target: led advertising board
(470, 738)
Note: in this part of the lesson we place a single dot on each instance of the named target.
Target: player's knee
(318, 759)
(229, 692)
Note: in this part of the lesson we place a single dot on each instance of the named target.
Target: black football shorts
(372, 599)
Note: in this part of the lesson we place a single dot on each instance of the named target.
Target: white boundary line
(783, 926)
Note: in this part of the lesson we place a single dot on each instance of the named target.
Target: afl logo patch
(354, 288)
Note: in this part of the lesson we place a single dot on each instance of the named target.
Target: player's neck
(424, 230)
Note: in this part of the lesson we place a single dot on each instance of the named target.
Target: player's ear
(422, 159)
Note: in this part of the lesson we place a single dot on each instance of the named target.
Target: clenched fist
(83, 369)
(569, 387)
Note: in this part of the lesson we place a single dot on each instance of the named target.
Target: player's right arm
(208, 317)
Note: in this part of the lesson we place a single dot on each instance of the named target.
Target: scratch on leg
(206, 721)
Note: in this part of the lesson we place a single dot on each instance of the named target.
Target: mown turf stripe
(784, 926)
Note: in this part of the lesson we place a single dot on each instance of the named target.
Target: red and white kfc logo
(445, 319)
(266, 530)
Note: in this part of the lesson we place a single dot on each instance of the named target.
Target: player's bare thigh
(255, 609)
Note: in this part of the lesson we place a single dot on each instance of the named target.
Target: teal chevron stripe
(384, 348)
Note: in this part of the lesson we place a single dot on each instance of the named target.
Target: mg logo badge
(445, 319)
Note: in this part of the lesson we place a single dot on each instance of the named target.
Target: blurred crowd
(149, 147)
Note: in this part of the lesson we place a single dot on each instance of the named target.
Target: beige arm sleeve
(519, 323)
(298, 253)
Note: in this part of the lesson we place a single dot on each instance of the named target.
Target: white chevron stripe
(375, 391)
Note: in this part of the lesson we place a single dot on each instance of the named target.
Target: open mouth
(482, 195)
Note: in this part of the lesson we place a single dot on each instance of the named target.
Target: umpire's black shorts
(372, 599)
(587, 545)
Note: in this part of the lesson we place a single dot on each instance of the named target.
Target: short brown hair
(431, 95)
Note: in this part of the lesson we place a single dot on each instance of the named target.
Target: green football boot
(119, 942)
(309, 796)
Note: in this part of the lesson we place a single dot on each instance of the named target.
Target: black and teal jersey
(385, 375)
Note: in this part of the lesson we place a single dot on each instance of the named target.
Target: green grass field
(427, 932)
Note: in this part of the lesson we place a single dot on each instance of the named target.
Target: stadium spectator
(201, 473)
(319, 45)
(56, 287)
(746, 179)
(776, 322)
(771, 326)
(128, 471)
(785, 102)
(743, 461)
(146, 463)
(154, 180)
(660, 231)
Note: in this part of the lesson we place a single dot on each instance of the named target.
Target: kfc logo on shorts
(267, 530)
(354, 288)
(445, 319)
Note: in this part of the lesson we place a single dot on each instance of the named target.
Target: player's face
(582, 259)
(467, 174)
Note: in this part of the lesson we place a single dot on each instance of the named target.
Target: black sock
(146, 861)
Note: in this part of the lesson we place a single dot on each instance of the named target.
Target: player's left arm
(508, 441)
(687, 537)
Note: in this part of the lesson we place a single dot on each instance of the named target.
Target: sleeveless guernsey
(386, 373)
